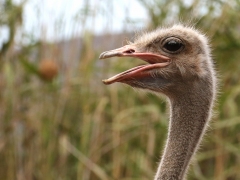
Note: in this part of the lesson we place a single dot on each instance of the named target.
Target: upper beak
(132, 51)
(118, 52)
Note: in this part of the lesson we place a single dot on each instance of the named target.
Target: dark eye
(173, 45)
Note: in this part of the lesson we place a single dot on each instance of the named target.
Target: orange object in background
(48, 69)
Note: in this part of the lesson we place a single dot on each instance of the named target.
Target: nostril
(129, 51)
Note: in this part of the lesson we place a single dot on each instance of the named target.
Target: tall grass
(71, 126)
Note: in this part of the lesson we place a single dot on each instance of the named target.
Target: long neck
(189, 116)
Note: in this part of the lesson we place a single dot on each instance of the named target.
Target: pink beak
(154, 60)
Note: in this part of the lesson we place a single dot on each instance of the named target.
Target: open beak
(154, 60)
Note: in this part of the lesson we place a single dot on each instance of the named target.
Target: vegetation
(58, 121)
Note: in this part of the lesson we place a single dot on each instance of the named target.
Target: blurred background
(57, 119)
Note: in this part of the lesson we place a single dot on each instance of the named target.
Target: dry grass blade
(86, 161)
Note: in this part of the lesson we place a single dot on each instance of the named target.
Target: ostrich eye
(173, 45)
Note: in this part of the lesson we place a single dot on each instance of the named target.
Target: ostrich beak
(154, 60)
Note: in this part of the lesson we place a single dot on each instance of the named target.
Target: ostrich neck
(189, 115)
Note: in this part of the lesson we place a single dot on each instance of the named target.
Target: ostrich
(179, 65)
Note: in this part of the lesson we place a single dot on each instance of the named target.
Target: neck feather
(190, 113)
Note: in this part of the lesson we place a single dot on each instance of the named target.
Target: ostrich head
(176, 56)
(179, 65)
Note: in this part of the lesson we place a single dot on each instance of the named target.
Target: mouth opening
(137, 72)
